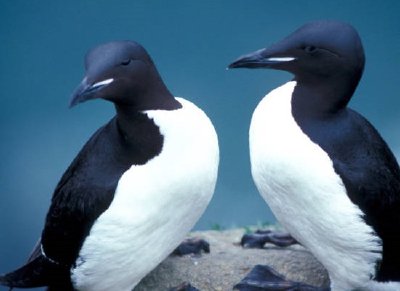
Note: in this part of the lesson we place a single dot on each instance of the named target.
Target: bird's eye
(309, 48)
(126, 62)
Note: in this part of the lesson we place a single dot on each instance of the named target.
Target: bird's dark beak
(263, 58)
(87, 91)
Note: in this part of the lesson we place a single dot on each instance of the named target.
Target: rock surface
(228, 263)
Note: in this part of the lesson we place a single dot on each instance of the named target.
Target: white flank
(281, 59)
(155, 204)
(104, 82)
(298, 181)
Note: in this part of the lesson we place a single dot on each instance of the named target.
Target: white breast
(155, 205)
(297, 180)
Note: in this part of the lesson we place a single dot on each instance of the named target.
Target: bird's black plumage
(327, 61)
(88, 186)
(360, 156)
(370, 174)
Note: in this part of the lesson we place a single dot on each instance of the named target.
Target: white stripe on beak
(282, 59)
(104, 82)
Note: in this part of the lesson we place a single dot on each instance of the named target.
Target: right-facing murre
(135, 189)
(324, 170)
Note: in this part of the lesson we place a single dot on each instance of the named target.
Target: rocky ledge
(228, 263)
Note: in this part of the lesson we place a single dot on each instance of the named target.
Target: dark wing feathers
(370, 173)
(84, 192)
(371, 176)
(36, 273)
(68, 220)
(87, 188)
(73, 210)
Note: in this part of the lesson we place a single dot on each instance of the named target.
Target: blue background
(42, 45)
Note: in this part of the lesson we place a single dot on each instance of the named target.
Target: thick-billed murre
(135, 189)
(324, 170)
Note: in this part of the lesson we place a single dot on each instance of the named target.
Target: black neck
(130, 121)
(154, 95)
(138, 133)
(323, 97)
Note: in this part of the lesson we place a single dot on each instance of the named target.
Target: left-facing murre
(326, 173)
(135, 189)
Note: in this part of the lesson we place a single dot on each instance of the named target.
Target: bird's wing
(370, 173)
(364, 162)
(84, 192)
(371, 176)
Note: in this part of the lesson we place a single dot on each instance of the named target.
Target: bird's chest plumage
(285, 162)
(155, 204)
(297, 179)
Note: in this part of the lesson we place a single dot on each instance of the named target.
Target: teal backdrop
(42, 45)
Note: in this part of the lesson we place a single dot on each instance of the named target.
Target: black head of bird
(326, 55)
(122, 72)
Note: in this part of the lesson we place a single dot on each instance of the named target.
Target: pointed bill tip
(74, 101)
(235, 64)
